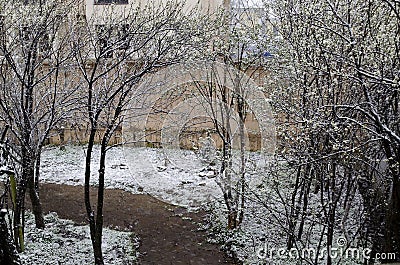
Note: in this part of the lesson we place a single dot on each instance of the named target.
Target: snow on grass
(264, 229)
(62, 242)
(181, 177)
(175, 176)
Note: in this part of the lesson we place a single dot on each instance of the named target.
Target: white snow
(62, 242)
(180, 177)
(264, 226)
(175, 176)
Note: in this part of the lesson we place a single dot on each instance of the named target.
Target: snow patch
(174, 176)
(63, 242)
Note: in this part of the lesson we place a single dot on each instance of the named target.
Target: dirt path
(166, 238)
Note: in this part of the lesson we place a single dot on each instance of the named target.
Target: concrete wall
(149, 133)
(93, 7)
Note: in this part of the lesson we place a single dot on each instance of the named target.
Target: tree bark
(392, 231)
(37, 209)
(8, 253)
(19, 211)
(96, 241)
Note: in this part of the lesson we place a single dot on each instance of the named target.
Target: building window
(34, 2)
(81, 19)
(44, 43)
(122, 34)
(112, 39)
(104, 40)
(108, 2)
(2, 30)
(40, 39)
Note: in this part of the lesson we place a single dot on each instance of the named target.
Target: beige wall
(92, 8)
(188, 137)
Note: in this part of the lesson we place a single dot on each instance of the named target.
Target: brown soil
(165, 236)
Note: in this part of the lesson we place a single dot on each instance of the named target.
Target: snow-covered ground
(62, 242)
(263, 232)
(179, 177)
(182, 177)
(175, 176)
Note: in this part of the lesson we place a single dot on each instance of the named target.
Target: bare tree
(239, 55)
(113, 52)
(8, 251)
(34, 93)
(338, 65)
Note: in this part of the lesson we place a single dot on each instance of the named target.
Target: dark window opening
(34, 2)
(40, 39)
(112, 38)
(104, 40)
(81, 19)
(108, 2)
(123, 36)
(2, 30)
(44, 43)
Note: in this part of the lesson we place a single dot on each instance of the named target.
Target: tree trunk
(391, 243)
(8, 253)
(100, 202)
(36, 205)
(37, 169)
(28, 178)
(33, 186)
(306, 187)
(19, 211)
(374, 203)
(232, 219)
(392, 231)
(98, 256)
(242, 119)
